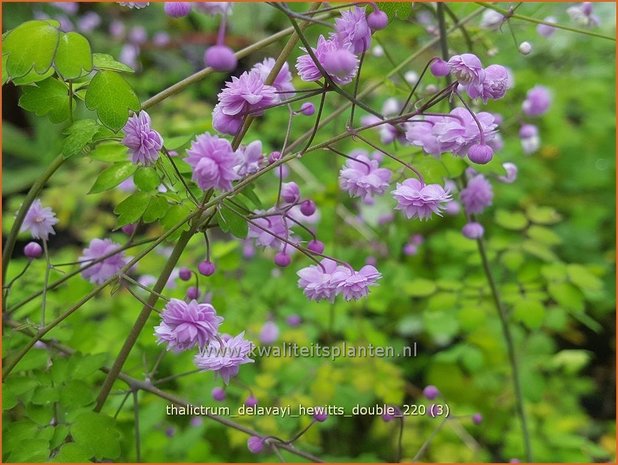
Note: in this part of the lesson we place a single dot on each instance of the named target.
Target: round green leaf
(30, 46)
(111, 97)
(105, 61)
(112, 176)
(529, 312)
(420, 288)
(73, 57)
(96, 434)
(146, 179)
(49, 97)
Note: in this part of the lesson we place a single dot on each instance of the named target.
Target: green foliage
(78, 136)
(112, 176)
(96, 434)
(30, 47)
(112, 98)
(103, 61)
(47, 98)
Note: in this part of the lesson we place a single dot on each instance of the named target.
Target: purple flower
(264, 230)
(187, 325)
(220, 58)
(431, 392)
(455, 132)
(143, 142)
(129, 54)
(321, 282)
(225, 355)
(537, 101)
(104, 269)
(352, 30)
(214, 8)
(161, 39)
(491, 19)
(88, 22)
(290, 193)
(33, 250)
(255, 444)
(242, 95)
(177, 9)
(213, 161)
(473, 230)
(283, 81)
(269, 332)
(363, 177)
(477, 195)
(467, 69)
(511, 173)
(544, 29)
(497, 81)
(341, 63)
(529, 137)
(356, 285)
(68, 7)
(39, 220)
(418, 200)
(135, 5)
(250, 157)
(583, 15)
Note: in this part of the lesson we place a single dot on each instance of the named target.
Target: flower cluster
(328, 279)
(185, 326)
(417, 200)
(213, 162)
(363, 177)
(102, 262)
(484, 83)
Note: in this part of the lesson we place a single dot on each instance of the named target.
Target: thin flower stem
(427, 442)
(400, 440)
(508, 338)
(510, 14)
(173, 377)
(61, 281)
(180, 176)
(138, 448)
(462, 28)
(45, 283)
(124, 400)
(34, 191)
(286, 139)
(6, 289)
(146, 288)
(391, 60)
(356, 82)
(318, 117)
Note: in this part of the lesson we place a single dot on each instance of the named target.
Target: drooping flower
(320, 282)
(267, 230)
(224, 123)
(352, 30)
(39, 220)
(477, 195)
(220, 58)
(342, 64)
(418, 200)
(537, 101)
(177, 9)
(187, 325)
(290, 193)
(250, 158)
(33, 250)
(511, 173)
(473, 230)
(491, 19)
(255, 444)
(225, 355)
(243, 95)
(363, 177)
(529, 137)
(467, 69)
(356, 285)
(106, 268)
(546, 30)
(583, 14)
(144, 143)
(494, 86)
(455, 133)
(213, 161)
(283, 81)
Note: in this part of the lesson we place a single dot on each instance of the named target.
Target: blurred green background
(551, 240)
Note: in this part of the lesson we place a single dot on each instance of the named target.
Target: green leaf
(567, 295)
(157, 208)
(112, 97)
(79, 135)
(232, 222)
(48, 97)
(583, 278)
(544, 235)
(515, 221)
(420, 287)
(104, 61)
(146, 178)
(30, 46)
(250, 194)
(174, 216)
(96, 434)
(401, 10)
(76, 393)
(73, 56)
(131, 209)
(112, 176)
(85, 365)
(72, 453)
(33, 77)
(109, 152)
(175, 143)
(529, 312)
(542, 215)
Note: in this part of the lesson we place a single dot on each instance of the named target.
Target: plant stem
(25, 206)
(529, 19)
(506, 330)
